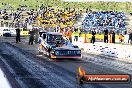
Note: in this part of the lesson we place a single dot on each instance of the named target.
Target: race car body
(55, 46)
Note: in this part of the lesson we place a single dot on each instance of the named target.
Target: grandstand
(63, 14)
(105, 20)
(56, 17)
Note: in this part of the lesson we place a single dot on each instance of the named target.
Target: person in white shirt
(126, 38)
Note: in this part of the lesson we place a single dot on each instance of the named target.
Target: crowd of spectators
(60, 20)
(105, 20)
(20, 17)
(61, 17)
(50, 16)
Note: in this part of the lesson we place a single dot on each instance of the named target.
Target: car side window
(50, 38)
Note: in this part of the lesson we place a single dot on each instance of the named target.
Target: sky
(97, 0)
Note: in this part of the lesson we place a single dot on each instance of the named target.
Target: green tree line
(100, 5)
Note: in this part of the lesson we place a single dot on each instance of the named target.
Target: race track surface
(32, 71)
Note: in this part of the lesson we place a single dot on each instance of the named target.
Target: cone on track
(85, 39)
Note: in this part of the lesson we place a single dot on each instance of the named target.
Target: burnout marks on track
(19, 70)
(42, 73)
(21, 73)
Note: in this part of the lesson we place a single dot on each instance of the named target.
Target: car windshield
(54, 38)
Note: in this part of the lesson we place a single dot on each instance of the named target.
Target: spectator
(36, 35)
(106, 35)
(18, 35)
(93, 36)
(107, 19)
(70, 34)
(31, 37)
(79, 31)
(120, 38)
(113, 36)
(130, 38)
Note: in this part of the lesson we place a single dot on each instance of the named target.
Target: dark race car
(55, 46)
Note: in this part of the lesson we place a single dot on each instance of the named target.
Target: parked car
(6, 32)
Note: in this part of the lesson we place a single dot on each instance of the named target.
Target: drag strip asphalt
(31, 71)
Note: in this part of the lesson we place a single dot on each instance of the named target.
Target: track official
(76, 34)
(106, 35)
(113, 36)
(93, 36)
(31, 37)
(18, 35)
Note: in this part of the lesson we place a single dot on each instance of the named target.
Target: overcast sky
(98, 0)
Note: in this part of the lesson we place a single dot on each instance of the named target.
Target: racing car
(54, 45)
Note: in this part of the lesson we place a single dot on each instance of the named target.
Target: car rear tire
(49, 55)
